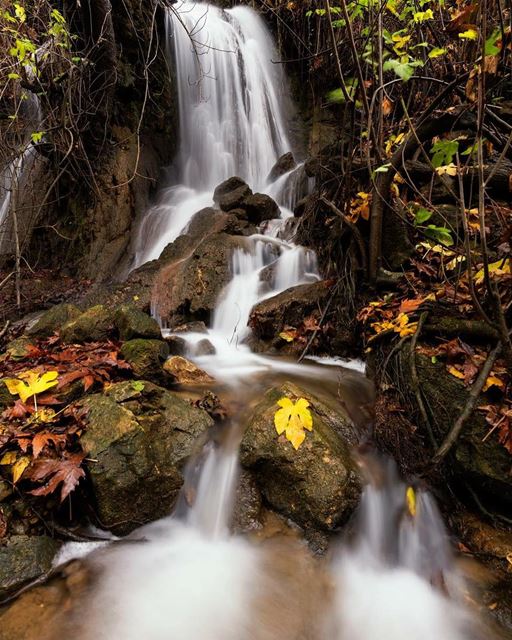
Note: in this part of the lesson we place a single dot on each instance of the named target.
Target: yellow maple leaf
(292, 419)
(30, 383)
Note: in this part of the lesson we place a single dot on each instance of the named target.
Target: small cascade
(399, 567)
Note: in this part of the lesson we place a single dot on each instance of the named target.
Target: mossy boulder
(186, 372)
(94, 325)
(19, 348)
(138, 438)
(147, 358)
(131, 322)
(477, 458)
(316, 485)
(53, 319)
(24, 559)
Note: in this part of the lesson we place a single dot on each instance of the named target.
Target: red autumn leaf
(23, 442)
(40, 441)
(18, 410)
(408, 306)
(66, 471)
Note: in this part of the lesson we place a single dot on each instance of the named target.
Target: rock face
(24, 559)
(131, 323)
(93, 325)
(285, 163)
(317, 485)
(289, 308)
(146, 357)
(139, 441)
(53, 319)
(189, 288)
(235, 196)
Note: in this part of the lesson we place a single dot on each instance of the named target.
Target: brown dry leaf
(40, 441)
(66, 471)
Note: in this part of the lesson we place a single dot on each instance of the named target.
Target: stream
(392, 574)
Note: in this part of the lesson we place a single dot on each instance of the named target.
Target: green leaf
(436, 52)
(13, 76)
(37, 136)
(422, 215)
(403, 70)
(491, 48)
(422, 16)
(137, 385)
(442, 235)
(443, 152)
(383, 168)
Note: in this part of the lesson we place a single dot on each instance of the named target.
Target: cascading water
(191, 579)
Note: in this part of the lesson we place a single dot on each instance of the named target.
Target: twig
(4, 330)
(313, 335)
(476, 389)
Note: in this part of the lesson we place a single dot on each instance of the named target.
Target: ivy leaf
(491, 44)
(292, 419)
(443, 152)
(439, 234)
(34, 384)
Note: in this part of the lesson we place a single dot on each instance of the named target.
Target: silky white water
(191, 578)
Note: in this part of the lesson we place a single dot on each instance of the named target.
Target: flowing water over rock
(190, 577)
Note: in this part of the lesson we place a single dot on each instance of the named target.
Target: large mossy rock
(94, 325)
(53, 319)
(138, 441)
(24, 559)
(317, 485)
(478, 458)
(147, 358)
(132, 323)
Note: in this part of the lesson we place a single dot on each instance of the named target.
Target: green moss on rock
(93, 325)
(53, 319)
(138, 443)
(147, 358)
(134, 323)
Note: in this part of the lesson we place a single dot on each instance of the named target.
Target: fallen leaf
(30, 383)
(66, 471)
(19, 467)
(292, 419)
(40, 440)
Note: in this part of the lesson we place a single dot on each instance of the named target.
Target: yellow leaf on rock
(288, 336)
(292, 419)
(19, 467)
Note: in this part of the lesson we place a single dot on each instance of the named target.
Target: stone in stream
(185, 372)
(317, 486)
(288, 308)
(284, 164)
(260, 207)
(138, 441)
(53, 319)
(147, 358)
(24, 559)
(131, 322)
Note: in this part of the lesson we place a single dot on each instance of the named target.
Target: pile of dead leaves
(40, 430)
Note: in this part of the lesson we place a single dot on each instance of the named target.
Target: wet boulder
(289, 308)
(188, 289)
(138, 439)
(185, 372)
(177, 345)
(24, 559)
(260, 207)
(231, 193)
(285, 164)
(317, 485)
(131, 322)
(147, 358)
(94, 325)
(53, 319)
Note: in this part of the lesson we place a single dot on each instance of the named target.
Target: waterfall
(231, 115)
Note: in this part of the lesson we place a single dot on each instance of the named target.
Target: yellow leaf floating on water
(292, 419)
(410, 499)
(31, 383)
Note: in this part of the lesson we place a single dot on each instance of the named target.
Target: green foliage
(443, 152)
